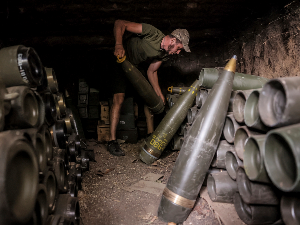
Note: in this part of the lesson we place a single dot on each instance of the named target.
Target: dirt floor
(106, 197)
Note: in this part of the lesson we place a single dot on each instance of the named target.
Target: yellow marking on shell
(189, 89)
(129, 69)
(193, 92)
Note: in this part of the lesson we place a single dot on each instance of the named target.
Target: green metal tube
(254, 159)
(279, 100)
(282, 157)
(192, 112)
(221, 188)
(232, 163)
(219, 158)
(238, 105)
(143, 88)
(251, 113)
(240, 137)
(197, 151)
(241, 81)
(230, 127)
(162, 135)
(201, 97)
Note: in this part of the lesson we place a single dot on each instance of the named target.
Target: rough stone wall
(270, 47)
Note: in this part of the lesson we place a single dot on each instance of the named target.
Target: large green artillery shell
(191, 114)
(230, 107)
(238, 105)
(240, 138)
(256, 193)
(68, 207)
(20, 65)
(180, 130)
(41, 205)
(232, 163)
(220, 156)
(143, 88)
(254, 159)
(50, 184)
(52, 81)
(290, 208)
(197, 151)
(201, 97)
(241, 81)
(24, 111)
(177, 90)
(19, 178)
(50, 108)
(255, 214)
(59, 132)
(221, 188)
(230, 127)
(5, 104)
(251, 114)
(278, 102)
(282, 157)
(162, 135)
(176, 142)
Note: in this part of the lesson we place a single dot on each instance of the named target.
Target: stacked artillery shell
(241, 81)
(143, 88)
(177, 90)
(159, 139)
(197, 151)
(33, 170)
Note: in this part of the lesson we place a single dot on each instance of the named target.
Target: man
(149, 44)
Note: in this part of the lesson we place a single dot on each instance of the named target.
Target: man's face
(174, 49)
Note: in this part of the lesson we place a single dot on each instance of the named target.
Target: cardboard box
(103, 132)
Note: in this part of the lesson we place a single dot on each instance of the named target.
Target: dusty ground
(104, 202)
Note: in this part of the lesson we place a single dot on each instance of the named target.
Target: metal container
(278, 102)
(162, 135)
(232, 163)
(254, 159)
(220, 156)
(197, 151)
(24, 111)
(251, 113)
(282, 157)
(240, 138)
(256, 193)
(255, 214)
(241, 81)
(230, 127)
(19, 178)
(221, 188)
(238, 106)
(290, 208)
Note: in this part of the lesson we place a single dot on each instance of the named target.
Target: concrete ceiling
(89, 23)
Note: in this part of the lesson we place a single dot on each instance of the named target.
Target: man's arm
(152, 76)
(119, 29)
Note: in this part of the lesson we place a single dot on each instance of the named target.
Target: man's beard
(170, 47)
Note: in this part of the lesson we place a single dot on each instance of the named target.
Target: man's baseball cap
(183, 36)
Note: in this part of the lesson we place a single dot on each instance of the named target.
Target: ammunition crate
(83, 112)
(83, 87)
(83, 100)
(93, 111)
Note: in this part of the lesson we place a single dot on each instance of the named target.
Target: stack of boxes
(103, 124)
(83, 94)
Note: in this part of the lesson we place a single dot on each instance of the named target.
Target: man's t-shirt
(145, 46)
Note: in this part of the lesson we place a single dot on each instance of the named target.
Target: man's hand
(119, 51)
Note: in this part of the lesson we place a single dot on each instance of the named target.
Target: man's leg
(149, 120)
(113, 146)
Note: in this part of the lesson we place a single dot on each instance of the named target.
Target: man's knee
(118, 99)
